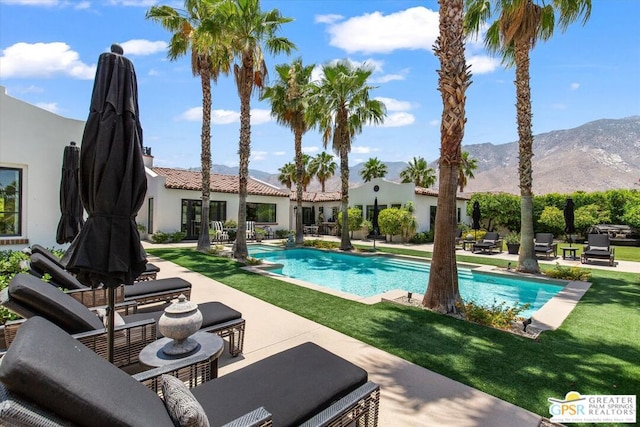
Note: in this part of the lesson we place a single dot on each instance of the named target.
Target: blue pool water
(367, 276)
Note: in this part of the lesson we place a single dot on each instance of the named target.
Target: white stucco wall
(33, 139)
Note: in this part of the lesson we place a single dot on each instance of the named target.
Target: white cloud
(386, 78)
(259, 116)
(49, 106)
(142, 47)
(259, 155)
(138, 3)
(575, 86)
(226, 117)
(435, 122)
(43, 60)
(279, 153)
(361, 149)
(327, 19)
(413, 28)
(394, 104)
(311, 149)
(398, 119)
(481, 64)
(50, 3)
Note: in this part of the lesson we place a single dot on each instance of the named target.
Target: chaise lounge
(598, 247)
(490, 242)
(544, 244)
(29, 296)
(305, 385)
(142, 293)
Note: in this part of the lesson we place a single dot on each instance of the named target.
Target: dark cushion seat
(44, 363)
(292, 385)
(159, 285)
(41, 265)
(213, 313)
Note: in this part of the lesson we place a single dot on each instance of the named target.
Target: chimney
(147, 157)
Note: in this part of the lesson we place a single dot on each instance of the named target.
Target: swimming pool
(372, 275)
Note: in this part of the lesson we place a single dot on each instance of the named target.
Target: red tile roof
(331, 196)
(182, 179)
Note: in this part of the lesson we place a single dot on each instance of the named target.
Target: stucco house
(32, 142)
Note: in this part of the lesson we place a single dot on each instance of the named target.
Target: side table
(194, 369)
(571, 252)
(468, 243)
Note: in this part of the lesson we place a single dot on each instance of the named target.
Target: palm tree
(419, 172)
(289, 100)
(322, 167)
(250, 32)
(373, 168)
(287, 175)
(519, 24)
(196, 30)
(340, 107)
(442, 293)
(467, 166)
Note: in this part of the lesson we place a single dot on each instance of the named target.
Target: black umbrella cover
(71, 220)
(374, 220)
(476, 216)
(569, 223)
(112, 180)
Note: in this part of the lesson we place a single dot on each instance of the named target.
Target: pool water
(366, 276)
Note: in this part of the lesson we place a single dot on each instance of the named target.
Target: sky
(49, 50)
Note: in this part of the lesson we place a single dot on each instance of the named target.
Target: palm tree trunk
(246, 84)
(204, 241)
(299, 173)
(345, 242)
(442, 293)
(527, 261)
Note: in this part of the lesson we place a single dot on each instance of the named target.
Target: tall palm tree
(289, 100)
(518, 25)
(250, 33)
(322, 167)
(340, 107)
(287, 175)
(467, 166)
(442, 293)
(419, 172)
(373, 168)
(196, 30)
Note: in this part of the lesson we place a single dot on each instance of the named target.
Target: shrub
(177, 236)
(231, 223)
(321, 244)
(254, 261)
(11, 263)
(162, 237)
(282, 233)
(569, 273)
(421, 237)
(497, 315)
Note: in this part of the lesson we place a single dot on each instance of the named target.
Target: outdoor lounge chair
(29, 296)
(598, 247)
(490, 242)
(151, 272)
(219, 233)
(305, 385)
(544, 245)
(146, 292)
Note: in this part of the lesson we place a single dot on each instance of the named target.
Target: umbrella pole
(111, 303)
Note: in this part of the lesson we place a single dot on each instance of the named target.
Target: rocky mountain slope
(597, 156)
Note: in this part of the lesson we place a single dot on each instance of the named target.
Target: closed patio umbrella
(569, 218)
(112, 183)
(374, 222)
(475, 216)
(71, 220)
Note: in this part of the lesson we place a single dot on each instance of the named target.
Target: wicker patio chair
(143, 293)
(544, 244)
(305, 385)
(29, 296)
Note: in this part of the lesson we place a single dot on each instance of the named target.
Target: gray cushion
(183, 408)
(292, 385)
(151, 286)
(48, 302)
(48, 367)
(40, 264)
(39, 249)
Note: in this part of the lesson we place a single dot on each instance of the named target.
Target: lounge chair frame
(484, 246)
(544, 244)
(598, 240)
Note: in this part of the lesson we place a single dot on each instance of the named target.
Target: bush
(422, 237)
(569, 273)
(281, 233)
(162, 237)
(497, 315)
(321, 244)
(231, 223)
(11, 263)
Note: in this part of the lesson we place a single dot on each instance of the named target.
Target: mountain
(597, 156)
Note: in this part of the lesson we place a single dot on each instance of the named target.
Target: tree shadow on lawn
(516, 369)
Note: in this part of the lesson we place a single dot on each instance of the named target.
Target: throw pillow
(599, 248)
(183, 408)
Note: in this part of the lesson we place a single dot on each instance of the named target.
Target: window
(150, 216)
(396, 205)
(217, 210)
(370, 211)
(10, 202)
(261, 212)
(459, 214)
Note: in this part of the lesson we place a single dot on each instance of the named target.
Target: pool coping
(549, 317)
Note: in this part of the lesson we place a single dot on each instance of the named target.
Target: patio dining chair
(490, 242)
(304, 385)
(544, 244)
(142, 293)
(29, 296)
(219, 233)
(251, 230)
(598, 247)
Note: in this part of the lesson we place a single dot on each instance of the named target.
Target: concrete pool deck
(410, 395)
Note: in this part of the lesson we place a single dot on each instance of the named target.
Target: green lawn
(596, 351)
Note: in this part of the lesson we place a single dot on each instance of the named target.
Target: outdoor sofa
(544, 244)
(142, 293)
(305, 385)
(598, 247)
(490, 242)
(29, 296)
